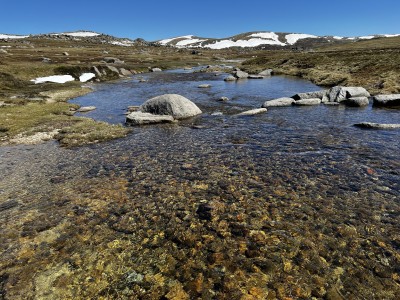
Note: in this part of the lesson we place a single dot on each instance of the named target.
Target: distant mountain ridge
(261, 39)
(256, 39)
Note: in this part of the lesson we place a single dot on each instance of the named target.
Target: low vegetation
(372, 64)
(26, 108)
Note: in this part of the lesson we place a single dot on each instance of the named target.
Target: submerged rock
(377, 125)
(141, 118)
(386, 100)
(280, 102)
(252, 112)
(173, 105)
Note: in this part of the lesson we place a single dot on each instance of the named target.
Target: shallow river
(292, 204)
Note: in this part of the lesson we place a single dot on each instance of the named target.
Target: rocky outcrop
(280, 102)
(369, 125)
(253, 112)
(341, 93)
(386, 100)
(308, 102)
(356, 101)
(141, 118)
(173, 105)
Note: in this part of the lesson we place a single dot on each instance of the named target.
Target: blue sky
(153, 20)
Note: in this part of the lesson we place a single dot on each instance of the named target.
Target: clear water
(295, 203)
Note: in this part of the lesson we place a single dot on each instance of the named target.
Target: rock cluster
(164, 108)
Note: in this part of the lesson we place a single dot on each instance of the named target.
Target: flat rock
(308, 102)
(280, 102)
(125, 72)
(173, 105)
(340, 93)
(253, 112)
(86, 108)
(386, 100)
(155, 70)
(310, 95)
(357, 101)
(377, 125)
(142, 118)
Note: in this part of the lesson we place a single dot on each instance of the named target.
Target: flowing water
(292, 204)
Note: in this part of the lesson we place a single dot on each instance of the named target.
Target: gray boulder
(96, 71)
(356, 101)
(369, 125)
(141, 118)
(267, 72)
(278, 102)
(240, 74)
(253, 112)
(340, 93)
(386, 100)
(230, 78)
(173, 105)
(223, 99)
(112, 69)
(155, 70)
(310, 95)
(308, 102)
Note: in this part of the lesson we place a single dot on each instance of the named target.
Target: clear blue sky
(153, 20)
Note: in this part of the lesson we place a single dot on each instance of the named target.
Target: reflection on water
(293, 204)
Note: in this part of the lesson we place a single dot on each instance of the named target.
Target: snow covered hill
(259, 39)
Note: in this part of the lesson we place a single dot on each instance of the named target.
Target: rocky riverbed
(295, 203)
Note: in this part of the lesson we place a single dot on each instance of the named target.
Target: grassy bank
(373, 64)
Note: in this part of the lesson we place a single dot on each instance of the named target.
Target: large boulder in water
(173, 105)
(387, 100)
(278, 102)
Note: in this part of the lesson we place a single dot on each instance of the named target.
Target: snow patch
(86, 77)
(391, 35)
(242, 43)
(54, 78)
(81, 33)
(294, 37)
(125, 43)
(166, 41)
(9, 36)
(367, 37)
(188, 42)
(338, 37)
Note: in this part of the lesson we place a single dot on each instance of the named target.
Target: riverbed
(292, 204)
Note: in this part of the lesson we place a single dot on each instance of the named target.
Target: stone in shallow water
(86, 108)
(308, 102)
(141, 118)
(278, 102)
(377, 125)
(310, 95)
(357, 101)
(253, 112)
(204, 86)
(386, 100)
(173, 105)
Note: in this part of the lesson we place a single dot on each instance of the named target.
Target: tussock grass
(88, 131)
